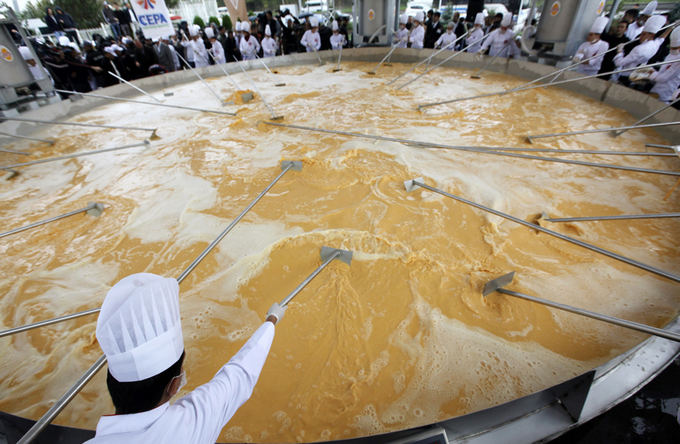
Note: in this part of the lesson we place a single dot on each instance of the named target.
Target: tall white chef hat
(313, 22)
(64, 41)
(334, 26)
(479, 19)
(599, 25)
(139, 327)
(654, 24)
(403, 19)
(209, 32)
(268, 30)
(650, 8)
(26, 53)
(245, 27)
(419, 16)
(193, 30)
(675, 38)
(238, 27)
(507, 20)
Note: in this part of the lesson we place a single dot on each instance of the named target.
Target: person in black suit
(433, 31)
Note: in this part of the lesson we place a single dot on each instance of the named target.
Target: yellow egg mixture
(402, 336)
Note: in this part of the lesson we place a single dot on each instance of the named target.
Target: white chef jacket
(638, 55)
(175, 59)
(634, 30)
(337, 40)
(446, 39)
(199, 416)
(400, 38)
(249, 48)
(218, 52)
(311, 40)
(474, 40)
(667, 79)
(200, 53)
(189, 50)
(269, 46)
(501, 43)
(417, 37)
(591, 67)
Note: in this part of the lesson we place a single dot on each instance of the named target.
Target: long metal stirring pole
(46, 221)
(52, 413)
(271, 110)
(73, 391)
(544, 85)
(51, 142)
(141, 102)
(201, 79)
(134, 87)
(23, 153)
(620, 217)
(71, 156)
(91, 125)
(647, 117)
(264, 64)
(580, 243)
(389, 53)
(505, 48)
(455, 54)
(591, 314)
(485, 150)
(226, 73)
(425, 60)
(309, 278)
(656, 145)
(286, 166)
(601, 130)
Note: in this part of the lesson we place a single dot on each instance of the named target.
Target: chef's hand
(275, 313)
(578, 57)
(619, 48)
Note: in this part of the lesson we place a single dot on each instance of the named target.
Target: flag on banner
(154, 18)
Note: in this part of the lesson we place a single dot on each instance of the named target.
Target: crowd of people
(640, 38)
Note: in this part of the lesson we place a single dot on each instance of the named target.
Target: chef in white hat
(337, 39)
(501, 41)
(593, 48)
(635, 28)
(269, 45)
(474, 40)
(648, 46)
(417, 35)
(667, 78)
(37, 71)
(311, 39)
(200, 52)
(140, 332)
(446, 39)
(216, 50)
(400, 38)
(249, 46)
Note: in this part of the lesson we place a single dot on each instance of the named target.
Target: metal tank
(374, 21)
(537, 417)
(564, 24)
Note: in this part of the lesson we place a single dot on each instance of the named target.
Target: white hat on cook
(654, 24)
(139, 327)
(419, 16)
(479, 19)
(599, 25)
(650, 8)
(245, 27)
(507, 19)
(209, 32)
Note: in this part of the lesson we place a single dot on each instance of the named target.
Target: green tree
(199, 21)
(226, 22)
(213, 19)
(86, 13)
(171, 3)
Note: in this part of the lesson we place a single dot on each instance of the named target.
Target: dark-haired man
(140, 332)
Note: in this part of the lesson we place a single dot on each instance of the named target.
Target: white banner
(154, 18)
